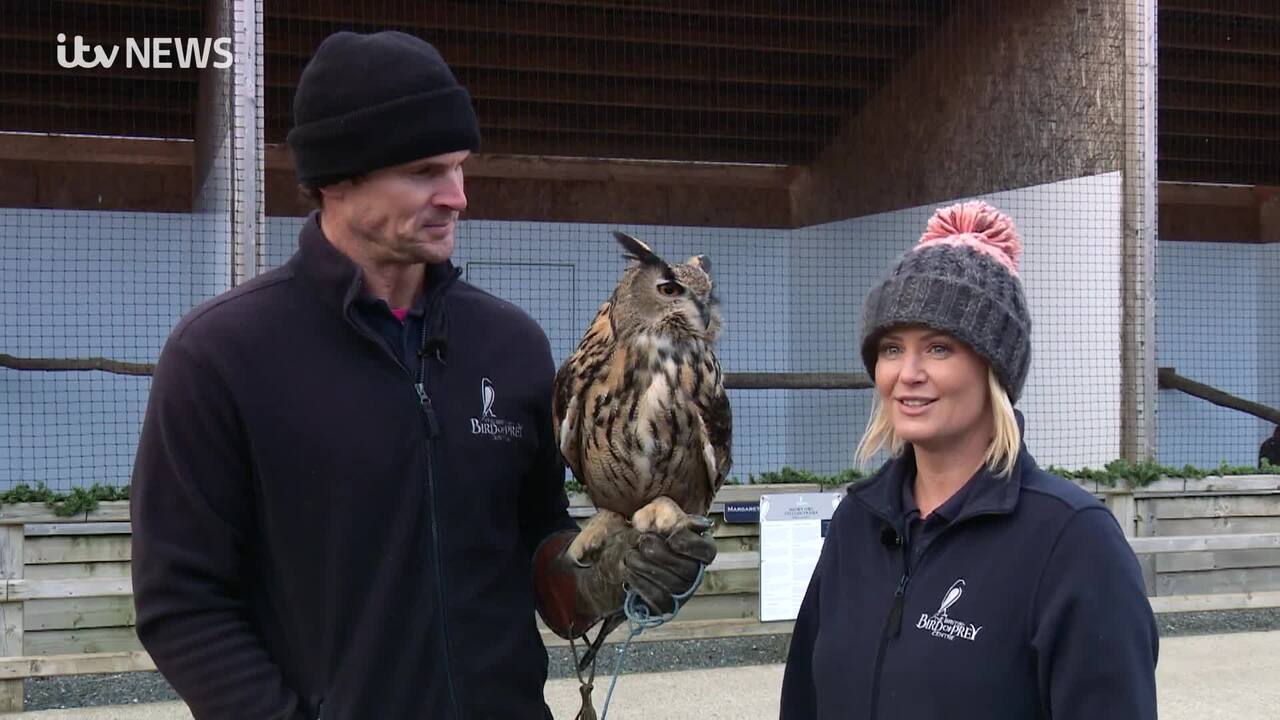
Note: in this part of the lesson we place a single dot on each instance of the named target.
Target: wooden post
(1145, 526)
(247, 139)
(1138, 291)
(1125, 507)
(11, 623)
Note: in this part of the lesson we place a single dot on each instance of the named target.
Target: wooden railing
(67, 607)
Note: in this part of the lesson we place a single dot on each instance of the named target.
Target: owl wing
(716, 426)
(565, 417)
(577, 373)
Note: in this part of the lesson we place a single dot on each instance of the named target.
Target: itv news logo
(150, 53)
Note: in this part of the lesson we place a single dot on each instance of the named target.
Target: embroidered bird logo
(486, 398)
(953, 594)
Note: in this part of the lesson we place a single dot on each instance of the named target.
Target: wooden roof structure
(734, 81)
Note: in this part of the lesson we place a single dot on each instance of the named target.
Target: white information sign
(792, 529)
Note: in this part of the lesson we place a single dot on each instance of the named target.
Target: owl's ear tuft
(636, 249)
(702, 262)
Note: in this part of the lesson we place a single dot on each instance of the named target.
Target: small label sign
(742, 512)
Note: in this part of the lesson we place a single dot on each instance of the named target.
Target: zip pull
(432, 422)
(895, 615)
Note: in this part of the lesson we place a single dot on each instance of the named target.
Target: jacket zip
(891, 629)
(893, 624)
(433, 429)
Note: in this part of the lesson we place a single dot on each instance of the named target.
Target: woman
(962, 581)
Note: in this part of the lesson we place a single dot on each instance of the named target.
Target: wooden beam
(116, 86)
(1214, 196)
(1254, 9)
(32, 57)
(52, 101)
(617, 26)
(1202, 543)
(465, 51)
(1195, 67)
(702, 96)
(1171, 380)
(75, 664)
(653, 94)
(77, 528)
(96, 121)
(507, 187)
(1204, 125)
(677, 137)
(1191, 171)
(522, 167)
(1187, 211)
(651, 123)
(147, 174)
(1218, 150)
(24, 589)
(28, 54)
(89, 149)
(191, 6)
(142, 151)
(1217, 37)
(811, 11)
(23, 513)
(106, 24)
(530, 167)
(1219, 213)
(1176, 95)
(516, 142)
(116, 367)
(1216, 601)
(35, 184)
(797, 381)
(808, 11)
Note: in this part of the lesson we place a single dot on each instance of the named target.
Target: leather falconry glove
(573, 598)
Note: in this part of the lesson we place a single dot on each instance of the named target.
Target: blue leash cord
(640, 619)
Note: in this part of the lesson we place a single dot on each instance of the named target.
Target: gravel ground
(129, 688)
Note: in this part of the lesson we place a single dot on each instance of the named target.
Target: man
(346, 496)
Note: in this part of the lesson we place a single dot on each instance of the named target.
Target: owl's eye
(671, 289)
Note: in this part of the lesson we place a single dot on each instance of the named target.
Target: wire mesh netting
(802, 146)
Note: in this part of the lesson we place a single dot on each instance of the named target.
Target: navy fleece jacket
(1029, 603)
(315, 534)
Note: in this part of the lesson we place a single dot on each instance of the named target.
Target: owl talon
(601, 525)
(662, 516)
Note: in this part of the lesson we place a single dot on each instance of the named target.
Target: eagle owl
(640, 411)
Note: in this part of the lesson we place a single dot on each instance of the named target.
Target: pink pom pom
(979, 226)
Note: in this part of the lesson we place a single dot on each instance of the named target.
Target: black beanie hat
(372, 101)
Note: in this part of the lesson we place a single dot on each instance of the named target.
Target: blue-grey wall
(91, 284)
(1216, 323)
(1071, 273)
(83, 284)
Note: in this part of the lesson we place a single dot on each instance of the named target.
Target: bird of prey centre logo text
(490, 424)
(941, 625)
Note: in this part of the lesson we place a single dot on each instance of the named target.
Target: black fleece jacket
(314, 535)
(1028, 604)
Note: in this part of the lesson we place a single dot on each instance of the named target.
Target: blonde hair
(1001, 455)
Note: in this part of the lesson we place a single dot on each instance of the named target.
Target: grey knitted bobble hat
(961, 279)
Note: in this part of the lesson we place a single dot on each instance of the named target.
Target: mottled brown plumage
(641, 414)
